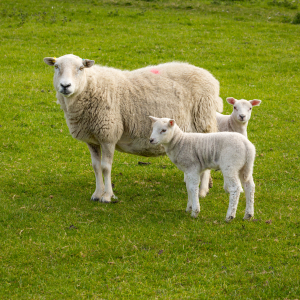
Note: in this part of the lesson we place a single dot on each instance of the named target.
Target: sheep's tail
(204, 114)
(247, 170)
(220, 105)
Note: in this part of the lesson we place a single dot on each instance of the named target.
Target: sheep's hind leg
(95, 151)
(192, 186)
(249, 188)
(106, 166)
(204, 185)
(234, 189)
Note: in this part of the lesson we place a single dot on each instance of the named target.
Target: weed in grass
(284, 3)
(296, 19)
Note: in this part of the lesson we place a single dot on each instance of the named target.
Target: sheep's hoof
(107, 198)
(188, 209)
(203, 193)
(228, 219)
(95, 198)
(195, 213)
(248, 217)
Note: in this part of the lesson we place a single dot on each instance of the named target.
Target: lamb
(238, 120)
(194, 153)
(108, 108)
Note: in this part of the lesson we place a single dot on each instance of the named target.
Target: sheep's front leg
(106, 166)
(95, 151)
(192, 186)
(205, 182)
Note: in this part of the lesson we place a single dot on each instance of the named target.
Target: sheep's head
(163, 130)
(242, 108)
(69, 77)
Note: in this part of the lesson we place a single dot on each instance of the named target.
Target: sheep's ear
(50, 61)
(171, 123)
(153, 119)
(88, 63)
(231, 100)
(255, 102)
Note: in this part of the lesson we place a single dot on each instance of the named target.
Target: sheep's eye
(234, 107)
(56, 66)
(250, 108)
(164, 130)
(81, 68)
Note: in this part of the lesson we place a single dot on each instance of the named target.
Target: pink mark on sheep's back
(154, 71)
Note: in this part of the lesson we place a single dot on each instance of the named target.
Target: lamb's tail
(247, 170)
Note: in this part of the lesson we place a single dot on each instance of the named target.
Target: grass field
(57, 244)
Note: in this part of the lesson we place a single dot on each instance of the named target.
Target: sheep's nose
(151, 140)
(65, 85)
(242, 117)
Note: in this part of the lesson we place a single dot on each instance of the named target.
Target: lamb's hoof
(188, 209)
(228, 219)
(210, 184)
(195, 213)
(248, 217)
(203, 193)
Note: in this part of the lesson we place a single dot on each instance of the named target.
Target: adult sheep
(108, 109)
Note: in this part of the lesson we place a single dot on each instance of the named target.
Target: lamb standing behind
(194, 153)
(108, 109)
(238, 120)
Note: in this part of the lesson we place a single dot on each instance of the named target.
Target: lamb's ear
(171, 123)
(231, 100)
(50, 61)
(153, 119)
(255, 102)
(88, 63)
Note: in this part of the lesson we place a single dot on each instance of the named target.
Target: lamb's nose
(151, 140)
(242, 117)
(65, 85)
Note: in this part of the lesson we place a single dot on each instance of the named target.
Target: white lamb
(194, 153)
(108, 109)
(238, 120)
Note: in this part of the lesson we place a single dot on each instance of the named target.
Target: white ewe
(108, 108)
(194, 153)
(238, 120)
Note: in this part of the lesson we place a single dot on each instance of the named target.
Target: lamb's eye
(56, 66)
(250, 108)
(81, 68)
(164, 130)
(234, 107)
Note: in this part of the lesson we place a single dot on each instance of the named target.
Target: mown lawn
(57, 244)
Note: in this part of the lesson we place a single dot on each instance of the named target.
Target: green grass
(56, 244)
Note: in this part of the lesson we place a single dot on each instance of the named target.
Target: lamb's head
(163, 130)
(69, 77)
(242, 108)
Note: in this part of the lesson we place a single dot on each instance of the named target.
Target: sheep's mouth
(66, 93)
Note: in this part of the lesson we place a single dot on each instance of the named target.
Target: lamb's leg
(204, 185)
(189, 206)
(192, 186)
(249, 188)
(95, 151)
(106, 166)
(234, 189)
